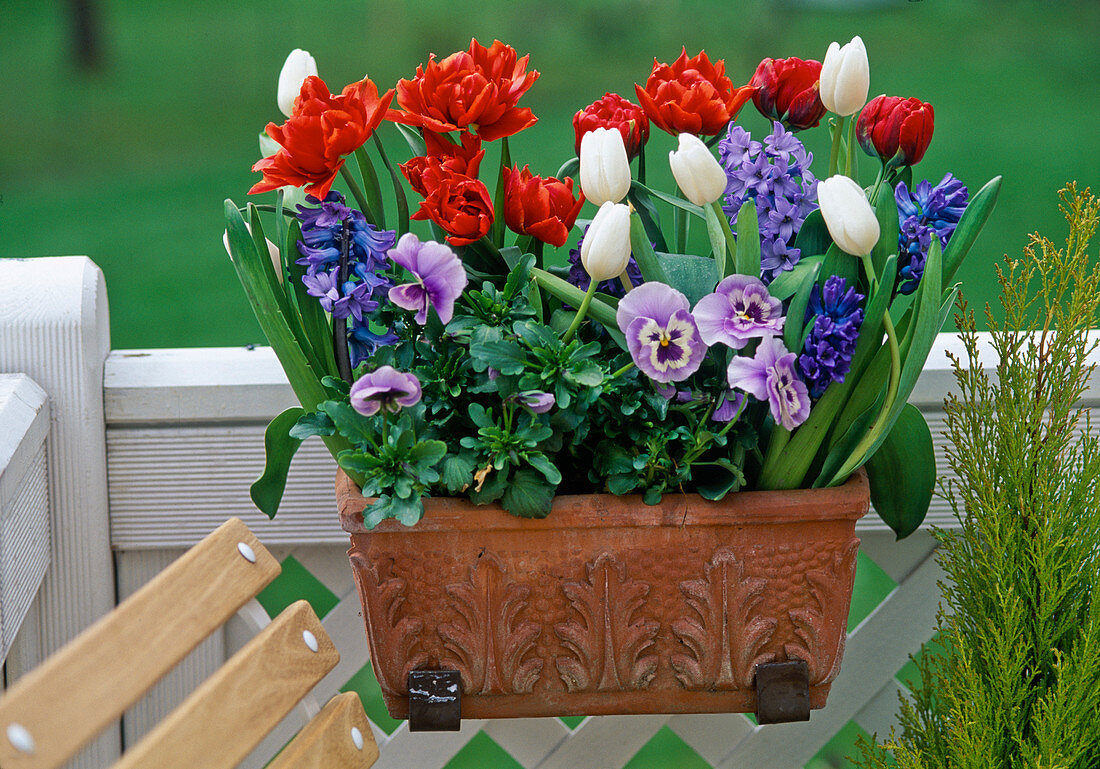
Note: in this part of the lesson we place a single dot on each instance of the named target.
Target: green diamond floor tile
(294, 584)
(840, 749)
(666, 750)
(482, 752)
(366, 686)
(571, 721)
(872, 585)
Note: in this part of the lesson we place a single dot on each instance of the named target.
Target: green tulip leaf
(903, 473)
(886, 211)
(672, 200)
(643, 251)
(415, 141)
(796, 313)
(841, 264)
(747, 260)
(693, 276)
(640, 196)
(570, 168)
(573, 296)
(813, 236)
(786, 283)
(970, 226)
(279, 449)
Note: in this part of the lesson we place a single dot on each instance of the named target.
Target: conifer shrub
(1017, 683)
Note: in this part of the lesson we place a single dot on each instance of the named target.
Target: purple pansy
(729, 406)
(660, 332)
(771, 377)
(440, 277)
(387, 388)
(739, 309)
(535, 401)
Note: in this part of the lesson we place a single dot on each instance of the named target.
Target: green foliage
(1018, 681)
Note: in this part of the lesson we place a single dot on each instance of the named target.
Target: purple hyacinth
(770, 376)
(321, 245)
(440, 278)
(387, 388)
(578, 276)
(323, 236)
(827, 354)
(776, 175)
(924, 212)
(660, 332)
(740, 309)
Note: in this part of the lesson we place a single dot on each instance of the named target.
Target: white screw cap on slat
(311, 640)
(248, 553)
(357, 737)
(20, 738)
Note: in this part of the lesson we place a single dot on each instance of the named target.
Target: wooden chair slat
(90, 682)
(229, 714)
(327, 741)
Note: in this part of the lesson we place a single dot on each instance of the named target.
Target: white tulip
(605, 249)
(848, 215)
(845, 78)
(605, 169)
(700, 176)
(298, 66)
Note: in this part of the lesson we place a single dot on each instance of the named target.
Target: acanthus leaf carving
(725, 642)
(488, 643)
(393, 638)
(607, 643)
(827, 587)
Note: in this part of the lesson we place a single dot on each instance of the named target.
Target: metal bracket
(782, 692)
(435, 700)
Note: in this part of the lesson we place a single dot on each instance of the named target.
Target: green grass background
(130, 164)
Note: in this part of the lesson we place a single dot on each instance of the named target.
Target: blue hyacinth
(924, 212)
(775, 174)
(827, 354)
(368, 279)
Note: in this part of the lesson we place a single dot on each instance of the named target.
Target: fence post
(54, 328)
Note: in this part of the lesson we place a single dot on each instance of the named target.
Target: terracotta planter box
(609, 606)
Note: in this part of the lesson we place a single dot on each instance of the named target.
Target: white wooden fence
(149, 450)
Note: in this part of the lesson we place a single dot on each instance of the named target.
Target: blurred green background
(129, 162)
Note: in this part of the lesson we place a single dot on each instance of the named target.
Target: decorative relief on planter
(489, 641)
(726, 640)
(829, 588)
(393, 638)
(608, 643)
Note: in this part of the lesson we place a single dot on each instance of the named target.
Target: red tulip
(613, 111)
(897, 130)
(460, 205)
(543, 208)
(443, 156)
(787, 90)
(691, 95)
(469, 90)
(320, 132)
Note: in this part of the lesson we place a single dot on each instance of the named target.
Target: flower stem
(623, 370)
(834, 154)
(581, 311)
(357, 193)
(729, 264)
(340, 326)
(849, 157)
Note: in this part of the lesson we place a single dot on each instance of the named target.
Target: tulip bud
(787, 90)
(272, 252)
(701, 178)
(298, 66)
(849, 217)
(845, 77)
(605, 170)
(605, 249)
(897, 130)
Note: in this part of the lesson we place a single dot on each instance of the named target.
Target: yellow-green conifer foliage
(1017, 683)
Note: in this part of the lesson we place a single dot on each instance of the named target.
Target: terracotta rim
(849, 501)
